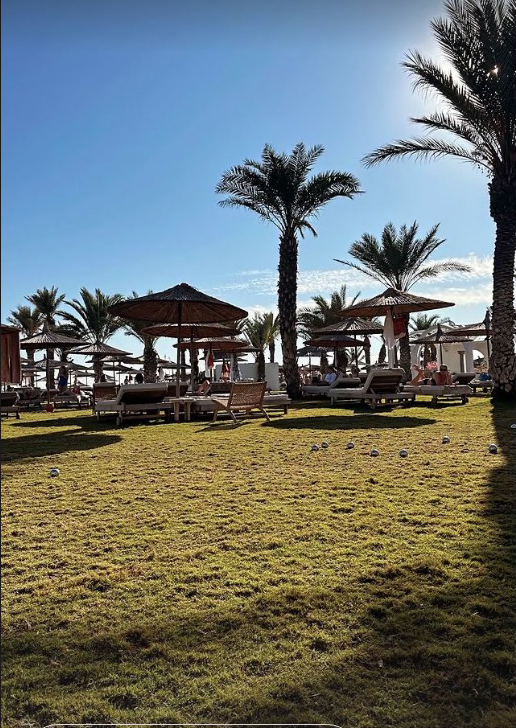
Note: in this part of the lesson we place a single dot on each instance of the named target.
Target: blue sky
(119, 116)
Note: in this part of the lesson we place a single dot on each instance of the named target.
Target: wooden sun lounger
(205, 405)
(323, 390)
(136, 401)
(9, 404)
(381, 385)
(242, 398)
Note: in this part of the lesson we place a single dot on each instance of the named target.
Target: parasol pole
(191, 361)
(48, 383)
(178, 375)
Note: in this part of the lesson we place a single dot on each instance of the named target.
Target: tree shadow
(42, 445)
(85, 422)
(342, 422)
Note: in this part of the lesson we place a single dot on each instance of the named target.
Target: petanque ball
(493, 448)
(513, 426)
(374, 453)
(54, 472)
(403, 453)
(446, 440)
(315, 447)
(325, 444)
(350, 445)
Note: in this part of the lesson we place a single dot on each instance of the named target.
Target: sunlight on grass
(197, 573)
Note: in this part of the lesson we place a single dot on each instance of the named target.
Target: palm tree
(279, 190)
(400, 260)
(93, 321)
(479, 41)
(261, 331)
(150, 355)
(29, 320)
(47, 302)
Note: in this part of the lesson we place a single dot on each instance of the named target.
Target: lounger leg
(266, 415)
(215, 414)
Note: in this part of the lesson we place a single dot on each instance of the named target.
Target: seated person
(484, 377)
(203, 387)
(331, 375)
(138, 379)
(419, 377)
(316, 379)
(62, 380)
(442, 377)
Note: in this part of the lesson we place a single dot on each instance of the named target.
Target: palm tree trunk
(98, 368)
(272, 351)
(30, 362)
(382, 354)
(150, 362)
(323, 363)
(194, 363)
(367, 352)
(287, 305)
(503, 360)
(260, 360)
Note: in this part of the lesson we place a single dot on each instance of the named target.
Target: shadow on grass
(41, 445)
(85, 422)
(340, 422)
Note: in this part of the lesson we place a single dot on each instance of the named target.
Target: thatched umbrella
(179, 305)
(442, 337)
(229, 345)
(392, 303)
(98, 351)
(338, 341)
(191, 331)
(49, 340)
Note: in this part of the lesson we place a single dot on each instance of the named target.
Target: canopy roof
(392, 301)
(195, 331)
(228, 345)
(337, 341)
(50, 340)
(56, 364)
(182, 303)
(351, 326)
(98, 349)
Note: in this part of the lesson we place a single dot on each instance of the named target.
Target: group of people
(330, 376)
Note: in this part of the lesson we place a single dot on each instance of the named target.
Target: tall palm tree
(279, 190)
(260, 331)
(93, 321)
(150, 355)
(29, 320)
(478, 39)
(47, 302)
(400, 260)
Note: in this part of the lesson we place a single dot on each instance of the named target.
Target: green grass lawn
(189, 573)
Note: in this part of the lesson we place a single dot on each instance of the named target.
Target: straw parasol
(179, 305)
(48, 340)
(442, 337)
(98, 351)
(392, 303)
(336, 341)
(351, 326)
(192, 331)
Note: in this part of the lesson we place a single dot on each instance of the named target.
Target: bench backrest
(247, 394)
(383, 381)
(7, 399)
(463, 377)
(343, 382)
(142, 393)
(104, 390)
(172, 389)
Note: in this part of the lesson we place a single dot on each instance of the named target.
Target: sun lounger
(29, 397)
(444, 392)
(205, 404)
(463, 377)
(381, 385)
(136, 401)
(486, 385)
(323, 390)
(9, 404)
(242, 398)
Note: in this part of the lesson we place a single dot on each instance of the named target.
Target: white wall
(249, 370)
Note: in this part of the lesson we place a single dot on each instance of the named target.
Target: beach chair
(444, 392)
(136, 401)
(323, 389)
(9, 404)
(103, 391)
(242, 398)
(172, 388)
(381, 385)
(463, 377)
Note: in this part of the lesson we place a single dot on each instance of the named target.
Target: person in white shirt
(331, 376)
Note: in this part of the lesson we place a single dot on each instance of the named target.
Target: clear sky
(119, 116)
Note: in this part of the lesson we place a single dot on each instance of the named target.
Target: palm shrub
(260, 331)
(92, 320)
(478, 118)
(279, 190)
(47, 302)
(29, 320)
(400, 260)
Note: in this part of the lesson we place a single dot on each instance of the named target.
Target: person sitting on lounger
(138, 379)
(442, 377)
(331, 376)
(419, 375)
(203, 387)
